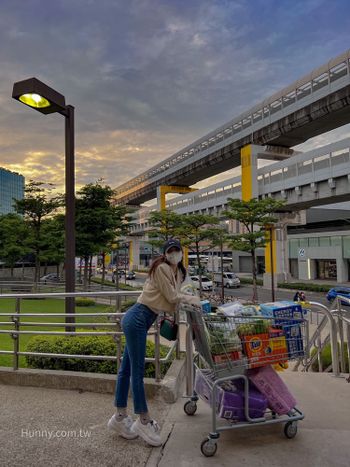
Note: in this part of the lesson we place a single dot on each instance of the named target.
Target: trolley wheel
(190, 408)
(209, 447)
(290, 429)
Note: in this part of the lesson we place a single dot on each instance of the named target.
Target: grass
(40, 306)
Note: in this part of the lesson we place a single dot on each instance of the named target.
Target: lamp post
(46, 100)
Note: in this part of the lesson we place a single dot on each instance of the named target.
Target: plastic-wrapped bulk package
(230, 309)
(203, 387)
(270, 384)
(230, 397)
(232, 402)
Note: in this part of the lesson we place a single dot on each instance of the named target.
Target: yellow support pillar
(249, 164)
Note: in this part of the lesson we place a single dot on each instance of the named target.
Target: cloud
(148, 77)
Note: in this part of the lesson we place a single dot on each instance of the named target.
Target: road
(245, 292)
(264, 295)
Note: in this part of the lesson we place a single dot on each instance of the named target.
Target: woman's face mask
(175, 257)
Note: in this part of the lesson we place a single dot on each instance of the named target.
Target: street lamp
(46, 100)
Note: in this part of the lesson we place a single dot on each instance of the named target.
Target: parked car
(230, 279)
(207, 284)
(50, 278)
(130, 275)
(338, 291)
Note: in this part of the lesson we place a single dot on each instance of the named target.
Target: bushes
(83, 345)
(326, 357)
(305, 286)
(248, 280)
(81, 301)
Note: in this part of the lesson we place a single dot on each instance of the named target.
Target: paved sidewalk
(323, 438)
(63, 428)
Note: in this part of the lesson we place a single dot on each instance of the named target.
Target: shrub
(84, 345)
(248, 280)
(305, 286)
(326, 357)
(82, 301)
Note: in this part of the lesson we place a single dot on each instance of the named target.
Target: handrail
(17, 332)
(343, 321)
(338, 320)
(315, 339)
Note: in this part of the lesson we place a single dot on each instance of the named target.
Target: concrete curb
(167, 389)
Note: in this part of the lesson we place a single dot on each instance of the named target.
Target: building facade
(11, 187)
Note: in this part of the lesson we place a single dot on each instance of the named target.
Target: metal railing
(332, 329)
(342, 317)
(17, 320)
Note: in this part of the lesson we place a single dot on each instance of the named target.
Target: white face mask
(175, 257)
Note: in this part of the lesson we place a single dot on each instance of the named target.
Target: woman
(161, 293)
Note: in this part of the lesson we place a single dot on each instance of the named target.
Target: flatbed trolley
(219, 371)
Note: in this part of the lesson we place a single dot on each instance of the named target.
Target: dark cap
(171, 243)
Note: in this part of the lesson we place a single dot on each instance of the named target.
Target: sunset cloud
(148, 77)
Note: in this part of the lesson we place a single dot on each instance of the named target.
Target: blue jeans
(135, 324)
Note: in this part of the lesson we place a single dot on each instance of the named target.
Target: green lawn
(48, 305)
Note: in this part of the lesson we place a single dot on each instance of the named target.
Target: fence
(18, 321)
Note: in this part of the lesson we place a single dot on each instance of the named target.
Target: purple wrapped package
(203, 387)
(268, 382)
(232, 402)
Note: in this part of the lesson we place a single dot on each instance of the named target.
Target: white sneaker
(149, 432)
(122, 427)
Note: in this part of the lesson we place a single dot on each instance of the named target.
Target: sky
(148, 77)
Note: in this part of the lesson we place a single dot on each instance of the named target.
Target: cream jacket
(161, 292)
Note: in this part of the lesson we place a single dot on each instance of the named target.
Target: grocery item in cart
(232, 402)
(206, 306)
(269, 383)
(282, 310)
(288, 315)
(224, 341)
(229, 397)
(260, 349)
(203, 386)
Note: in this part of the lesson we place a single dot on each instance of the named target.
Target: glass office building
(11, 187)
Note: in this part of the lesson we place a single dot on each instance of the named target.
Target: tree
(14, 235)
(219, 237)
(255, 215)
(52, 241)
(165, 224)
(38, 204)
(98, 221)
(194, 231)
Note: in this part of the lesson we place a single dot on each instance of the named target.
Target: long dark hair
(162, 259)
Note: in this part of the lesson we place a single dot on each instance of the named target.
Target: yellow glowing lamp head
(34, 100)
(39, 96)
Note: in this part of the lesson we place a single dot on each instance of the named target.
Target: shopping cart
(229, 351)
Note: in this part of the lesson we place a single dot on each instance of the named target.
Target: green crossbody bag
(169, 329)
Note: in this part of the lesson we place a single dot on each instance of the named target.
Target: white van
(230, 279)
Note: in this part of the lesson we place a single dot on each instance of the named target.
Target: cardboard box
(229, 356)
(263, 350)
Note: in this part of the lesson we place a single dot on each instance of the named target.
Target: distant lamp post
(46, 100)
